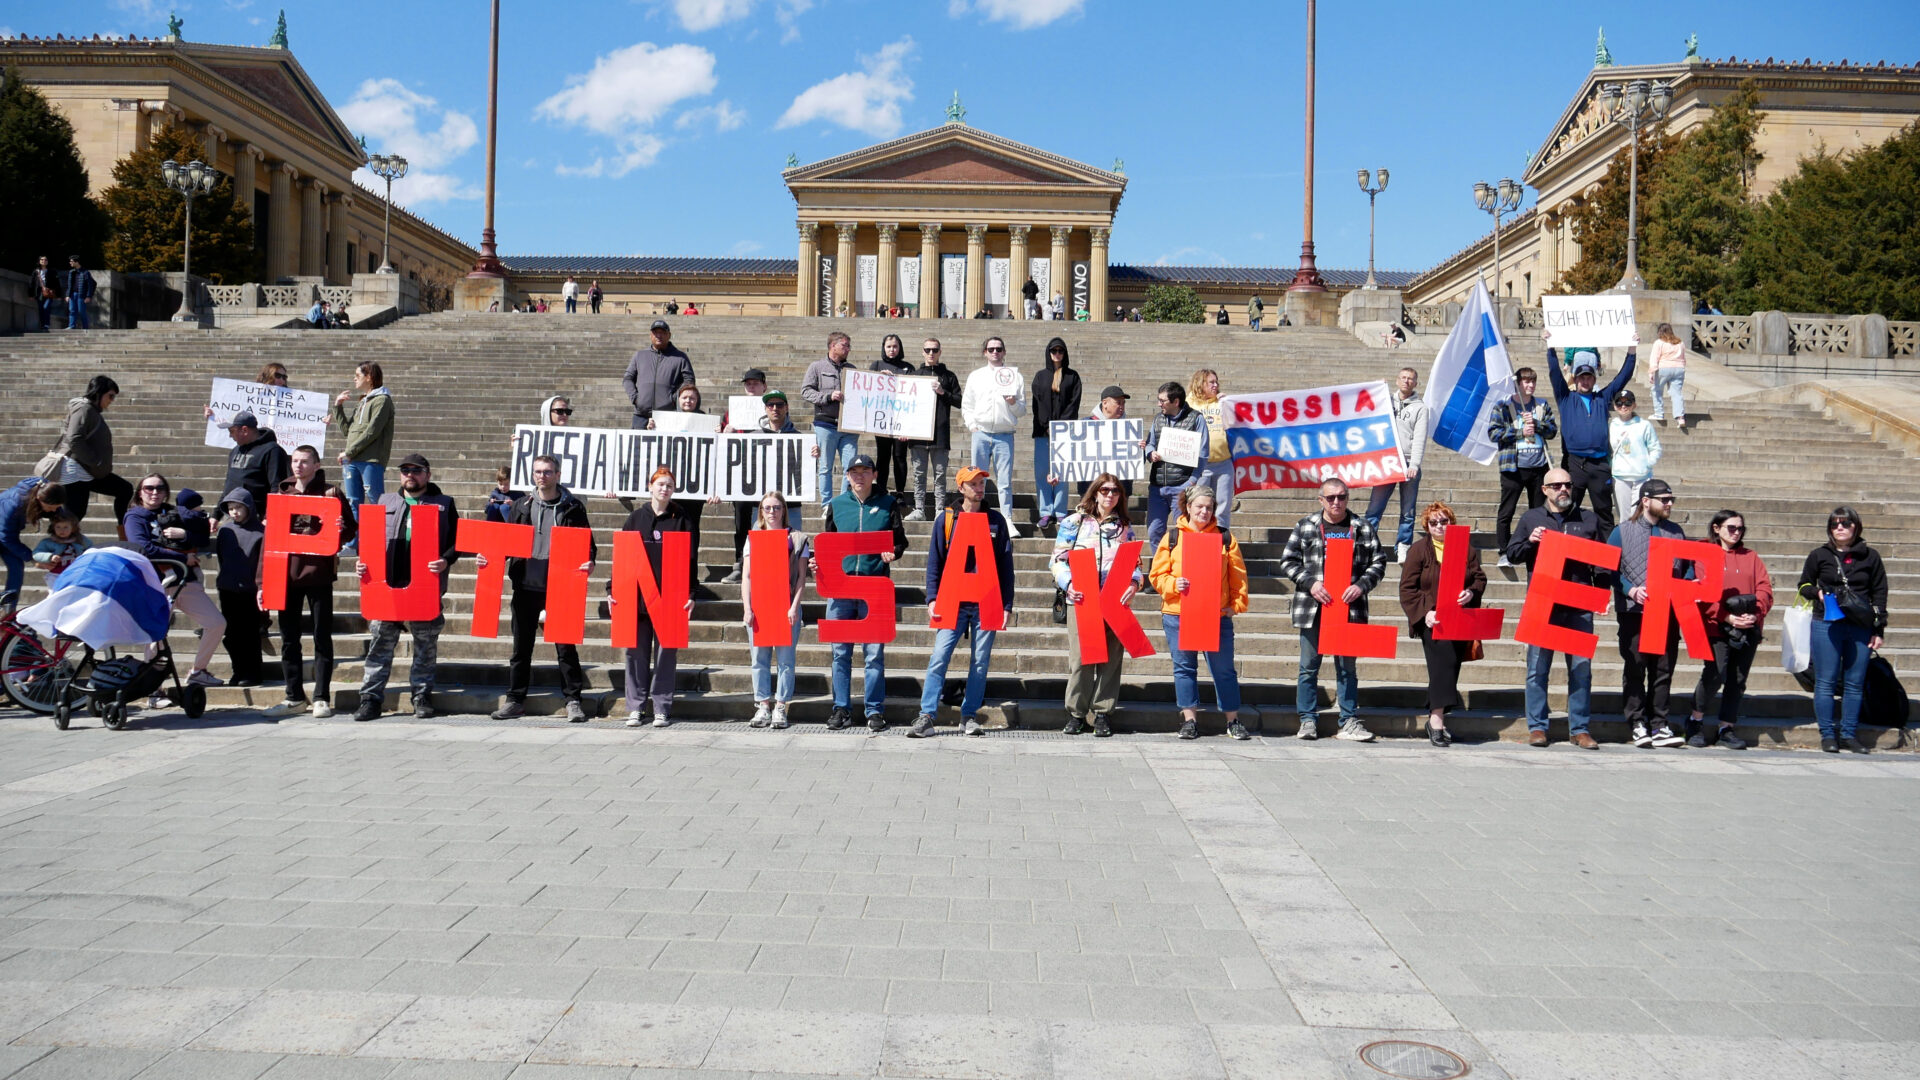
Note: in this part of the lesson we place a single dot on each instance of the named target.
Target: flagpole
(1307, 278)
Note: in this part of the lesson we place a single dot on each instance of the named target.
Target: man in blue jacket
(1584, 438)
(973, 495)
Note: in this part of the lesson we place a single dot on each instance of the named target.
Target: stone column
(806, 295)
(887, 276)
(1097, 272)
(245, 157)
(1017, 271)
(211, 136)
(1062, 269)
(929, 269)
(976, 269)
(313, 228)
(338, 233)
(280, 245)
(843, 265)
(1549, 251)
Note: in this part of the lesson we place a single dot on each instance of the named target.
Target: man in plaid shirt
(1304, 562)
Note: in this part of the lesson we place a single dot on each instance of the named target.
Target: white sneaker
(972, 727)
(1504, 563)
(204, 677)
(288, 707)
(155, 703)
(1400, 552)
(780, 715)
(1642, 738)
(660, 720)
(322, 710)
(917, 515)
(633, 718)
(762, 715)
(1354, 731)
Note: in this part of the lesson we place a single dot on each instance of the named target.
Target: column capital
(214, 131)
(809, 230)
(1060, 233)
(846, 228)
(285, 167)
(251, 151)
(341, 198)
(977, 234)
(930, 228)
(1101, 233)
(314, 183)
(889, 231)
(1019, 232)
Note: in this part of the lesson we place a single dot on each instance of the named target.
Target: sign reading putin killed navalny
(1298, 438)
(737, 468)
(1080, 450)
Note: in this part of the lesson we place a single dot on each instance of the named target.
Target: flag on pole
(1470, 374)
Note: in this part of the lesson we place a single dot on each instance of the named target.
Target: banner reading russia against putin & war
(1298, 438)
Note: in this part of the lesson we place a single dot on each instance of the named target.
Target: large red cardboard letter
(1549, 586)
(878, 627)
(1339, 634)
(959, 585)
(495, 541)
(1100, 606)
(420, 600)
(282, 541)
(1203, 562)
(1682, 597)
(768, 552)
(666, 602)
(568, 548)
(1452, 622)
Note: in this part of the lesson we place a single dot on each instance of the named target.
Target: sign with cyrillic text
(1083, 449)
(1604, 321)
(1178, 446)
(882, 403)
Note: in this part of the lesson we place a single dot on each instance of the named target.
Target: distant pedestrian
(1100, 525)
(363, 461)
(1420, 599)
(771, 698)
(1173, 580)
(1056, 396)
(1669, 375)
(593, 296)
(1303, 561)
(1847, 584)
(655, 374)
(1030, 292)
(45, 285)
(79, 288)
(1255, 311)
(1221, 318)
(416, 489)
(1734, 627)
(1521, 427)
(1059, 308)
(570, 293)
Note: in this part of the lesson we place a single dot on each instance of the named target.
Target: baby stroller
(114, 597)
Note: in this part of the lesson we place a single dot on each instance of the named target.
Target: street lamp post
(1373, 189)
(193, 178)
(1498, 199)
(1640, 106)
(388, 167)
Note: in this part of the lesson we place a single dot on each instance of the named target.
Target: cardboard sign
(419, 600)
(970, 575)
(1671, 596)
(1080, 450)
(281, 541)
(1297, 438)
(1178, 446)
(663, 596)
(745, 411)
(1604, 321)
(1339, 634)
(1452, 622)
(297, 417)
(767, 553)
(1549, 586)
(882, 403)
(1101, 608)
(832, 549)
(497, 541)
(1201, 559)
(685, 421)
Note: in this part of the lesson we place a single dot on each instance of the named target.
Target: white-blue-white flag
(107, 596)
(1470, 374)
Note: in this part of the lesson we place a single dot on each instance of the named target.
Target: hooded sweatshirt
(87, 439)
(1636, 448)
(238, 545)
(259, 466)
(1050, 404)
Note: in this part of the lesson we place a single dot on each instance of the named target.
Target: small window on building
(373, 264)
(353, 255)
(413, 275)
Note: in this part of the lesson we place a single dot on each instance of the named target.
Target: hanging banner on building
(953, 287)
(297, 417)
(1297, 438)
(826, 285)
(1080, 299)
(738, 468)
(1604, 321)
(1040, 269)
(866, 283)
(907, 288)
(997, 272)
(882, 403)
(1083, 449)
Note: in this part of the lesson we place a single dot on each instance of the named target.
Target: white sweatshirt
(983, 405)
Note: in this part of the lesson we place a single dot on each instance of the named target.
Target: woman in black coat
(891, 452)
(1848, 586)
(1055, 396)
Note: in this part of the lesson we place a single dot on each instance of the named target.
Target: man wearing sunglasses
(416, 489)
(992, 404)
(1304, 562)
(924, 456)
(1649, 676)
(1558, 514)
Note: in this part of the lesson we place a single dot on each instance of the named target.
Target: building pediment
(275, 78)
(955, 154)
(1588, 113)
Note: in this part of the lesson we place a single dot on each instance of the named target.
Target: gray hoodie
(238, 546)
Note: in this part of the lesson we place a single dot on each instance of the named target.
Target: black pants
(1649, 679)
(1593, 480)
(1443, 669)
(1726, 675)
(318, 598)
(242, 639)
(110, 485)
(742, 525)
(693, 508)
(892, 451)
(526, 606)
(1511, 485)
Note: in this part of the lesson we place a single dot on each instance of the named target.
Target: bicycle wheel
(33, 677)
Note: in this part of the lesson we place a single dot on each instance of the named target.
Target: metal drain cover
(1413, 1060)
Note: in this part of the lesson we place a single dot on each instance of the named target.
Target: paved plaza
(461, 899)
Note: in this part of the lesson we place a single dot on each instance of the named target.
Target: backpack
(1885, 700)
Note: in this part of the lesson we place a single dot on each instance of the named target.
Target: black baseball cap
(861, 461)
(661, 324)
(1114, 392)
(1655, 488)
(752, 374)
(1624, 397)
(244, 418)
(415, 459)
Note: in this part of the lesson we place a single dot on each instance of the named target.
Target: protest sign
(749, 466)
(744, 412)
(685, 421)
(297, 417)
(1601, 321)
(738, 468)
(1297, 438)
(1083, 449)
(882, 403)
(1178, 446)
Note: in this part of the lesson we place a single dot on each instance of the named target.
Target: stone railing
(1903, 338)
(1532, 318)
(1820, 336)
(1786, 346)
(1436, 315)
(225, 297)
(1724, 333)
(286, 296)
(337, 295)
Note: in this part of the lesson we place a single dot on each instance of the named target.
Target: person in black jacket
(416, 489)
(650, 667)
(1848, 586)
(891, 452)
(46, 292)
(256, 462)
(1055, 396)
(922, 453)
(547, 506)
(80, 289)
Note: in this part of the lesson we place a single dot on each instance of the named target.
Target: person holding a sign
(256, 462)
(752, 383)
(416, 489)
(862, 508)
(1586, 442)
(310, 580)
(1846, 582)
(994, 401)
(1558, 514)
(1101, 526)
(820, 387)
(363, 460)
(1410, 416)
(688, 400)
(966, 621)
(1172, 466)
(890, 453)
(1180, 576)
(1056, 396)
(1303, 561)
(1216, 464)
(772, 700)
(1735, 623)
(1113, 406)
(1420, 599)
(546, 507)
(933, 455)
(651, 666)
(1649, 676)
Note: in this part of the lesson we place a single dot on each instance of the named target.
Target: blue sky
(659, 127)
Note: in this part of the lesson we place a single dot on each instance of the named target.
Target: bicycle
(32, 676)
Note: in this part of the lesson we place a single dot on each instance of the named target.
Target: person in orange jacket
(1197, 512)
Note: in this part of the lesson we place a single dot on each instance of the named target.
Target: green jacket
(370, 430)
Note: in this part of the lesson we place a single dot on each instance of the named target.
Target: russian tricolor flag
(1470, 374)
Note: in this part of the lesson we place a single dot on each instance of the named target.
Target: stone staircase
(461, 381)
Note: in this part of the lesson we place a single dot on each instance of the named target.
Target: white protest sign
(749, 466)
(1178, 446)
(1604, 321)
(745, 411)
(685, 421)
(1083, 449)
(882, 403)
(740, 468)
(297, 417)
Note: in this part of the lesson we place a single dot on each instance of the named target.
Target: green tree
(1701, 207)
(1842, 235)
(43, 184)
(1173, 304)
(1599, 225)
(148, 217)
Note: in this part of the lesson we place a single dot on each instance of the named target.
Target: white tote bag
(1796, 639)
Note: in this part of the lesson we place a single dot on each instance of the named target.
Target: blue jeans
(832, 444)
(873, 656)
(76, 313)
(1409, 498)
(1667, 384)
(1306, 698)
(1160, 502)
(993, 451)
(1053, 497)
(1218, 476)
(1840, 656)
(1579, 679)
(16, 555)
(765, 658)
(46, 313)
(944, 642)
(1186, 666)
(364, 481)
(570, 303)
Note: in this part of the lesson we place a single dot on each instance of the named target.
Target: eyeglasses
(1438, 523)
(411, 470)
(1563, 485)
(1334, 498)
(277, 378)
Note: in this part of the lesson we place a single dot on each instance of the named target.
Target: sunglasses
(561, 412)
(929, 352)
(153, 487)
(1563, 485)
(1111, 491)
(1668, 499)
(995, 348)
(1733, 528)
(1333, 498)
(411, 470)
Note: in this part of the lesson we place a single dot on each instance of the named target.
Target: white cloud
(1021, 14)
(867, 101)
(625, 94)
(148, 10)
(398, 120)
(698, 15)
(722, 115)
(788, 14)
(744, 249)
(1191, 256)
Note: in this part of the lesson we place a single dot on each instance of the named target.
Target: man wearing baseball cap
(972, 500)
(862, 508)
(1587, 447)
(416, 489)
(1649, 677)
(655, 374)
(257, 462)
